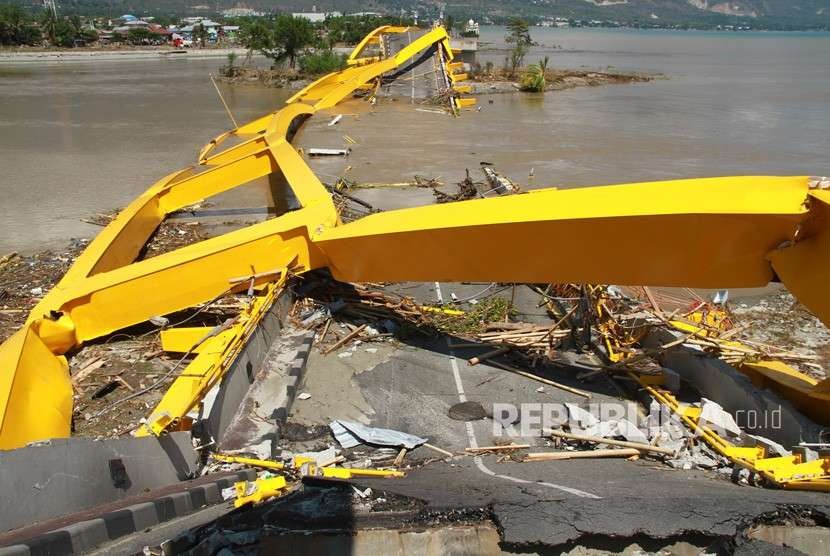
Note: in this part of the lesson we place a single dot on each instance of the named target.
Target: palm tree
(49, 23)
(200, 33)
(534, 80)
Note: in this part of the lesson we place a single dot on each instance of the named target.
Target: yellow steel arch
(105, 290)
(738, 231)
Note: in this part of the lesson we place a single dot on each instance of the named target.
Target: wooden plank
(612, 442)
(92, 366)
(353, 334)
(489, 355)
(497, 448)
(537, 378)
(551, 456)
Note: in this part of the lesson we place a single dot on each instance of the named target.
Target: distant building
(316, 16)
(157, 29)
(241, 12)
(472, 29)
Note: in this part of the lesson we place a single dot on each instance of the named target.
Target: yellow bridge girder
(715, 232)
(106, 289)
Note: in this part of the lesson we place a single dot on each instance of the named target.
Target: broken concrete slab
(716, 380)
(63, 476)
(263, 409)
(713, 415)
(221, 406)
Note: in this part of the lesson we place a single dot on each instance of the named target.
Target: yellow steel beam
(40, 382)
(331, 89)
(804, 264)
(258, 490)
(215, 357)
(113, 300)
(790, 472)
(105, 290)
(217, 179)
(371, 38)
(264, 463)
(190, 339)
(712, 232)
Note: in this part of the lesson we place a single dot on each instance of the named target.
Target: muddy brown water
(79, 138)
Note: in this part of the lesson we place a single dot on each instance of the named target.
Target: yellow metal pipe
(263, 463)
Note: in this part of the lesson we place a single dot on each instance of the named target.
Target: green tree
(449, 24)
(49, 24)
(534, 80)
(76, 24)
(281, 38)
(518, 34)
(322, 62)
(16, 27)
(164, 20)
(200, 33)
(139, 35)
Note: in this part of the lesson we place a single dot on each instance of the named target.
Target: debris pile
(609, 324)
(363, 452)
(467, 189)
(779, 320)
(25, 279)
(120, 379)
(172, 235)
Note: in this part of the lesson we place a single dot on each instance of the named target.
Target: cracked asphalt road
(411, 388)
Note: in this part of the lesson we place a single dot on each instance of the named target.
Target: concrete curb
(86, 535)
(296, 373)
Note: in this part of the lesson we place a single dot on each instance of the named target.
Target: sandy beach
(28, 56)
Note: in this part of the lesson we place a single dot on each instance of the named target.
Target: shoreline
(558, 79)
(561, 79)
(92, 55)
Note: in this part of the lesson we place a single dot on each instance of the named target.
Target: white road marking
(471, 435)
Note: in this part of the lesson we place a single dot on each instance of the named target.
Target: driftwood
(353, 334)
(439, 450)
(506, 448)
(88, 369)
(531, 376)
(550, 456)
(612, 442)
(489, 355)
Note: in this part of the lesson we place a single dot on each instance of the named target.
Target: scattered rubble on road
(603, 323)
(118, 380)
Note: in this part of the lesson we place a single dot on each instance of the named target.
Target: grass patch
(491, 309)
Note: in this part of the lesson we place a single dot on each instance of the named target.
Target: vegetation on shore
(19, 27)
(534, 79)
(288, 40)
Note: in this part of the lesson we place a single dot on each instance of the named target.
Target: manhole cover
(467, 411)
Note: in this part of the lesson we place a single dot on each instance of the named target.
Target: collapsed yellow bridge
(715, 232)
